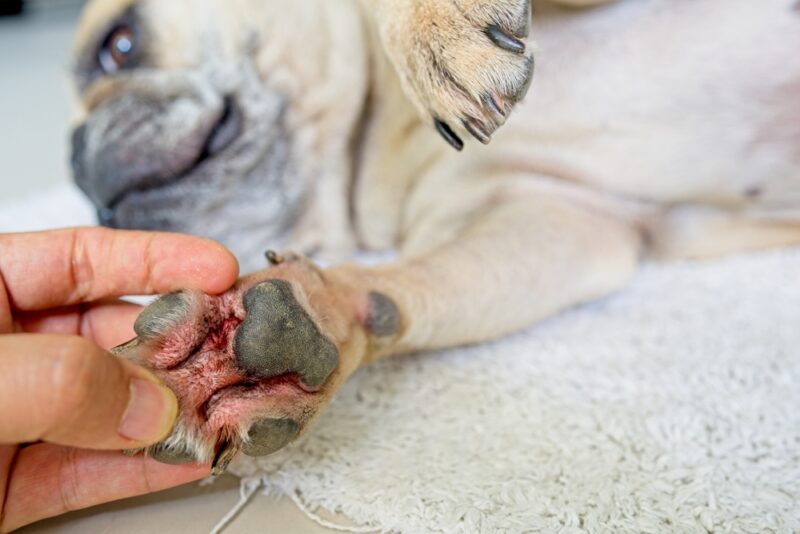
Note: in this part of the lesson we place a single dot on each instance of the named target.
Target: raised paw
(464, 63)
(252, 367)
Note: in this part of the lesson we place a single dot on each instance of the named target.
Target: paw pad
(168, 455)
(278, 337)
(162, 315)
(269, 435)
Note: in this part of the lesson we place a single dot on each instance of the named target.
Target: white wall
(35, 97)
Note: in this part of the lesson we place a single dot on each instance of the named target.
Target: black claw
(273, 257)
(478, 131)
(504, 40)
(495, 108)
(449, 135)
(119, 350)
(223, 458)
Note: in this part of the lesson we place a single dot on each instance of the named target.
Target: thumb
(67, 390)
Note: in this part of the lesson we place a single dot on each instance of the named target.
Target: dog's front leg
(520, 257)
(463, 63)
(253, 367)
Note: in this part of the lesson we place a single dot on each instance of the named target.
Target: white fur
(669, 408)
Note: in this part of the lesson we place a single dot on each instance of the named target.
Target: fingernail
(150, 413)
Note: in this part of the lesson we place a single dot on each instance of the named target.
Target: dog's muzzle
(136, 144)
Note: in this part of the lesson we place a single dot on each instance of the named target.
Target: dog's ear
(464, 64)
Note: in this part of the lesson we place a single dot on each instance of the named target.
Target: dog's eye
(117, 49)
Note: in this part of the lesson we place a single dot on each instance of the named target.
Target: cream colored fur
(653, 127)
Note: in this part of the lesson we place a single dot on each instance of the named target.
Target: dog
(654, 129)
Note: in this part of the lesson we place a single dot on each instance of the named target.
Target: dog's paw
(464, 63)
(252, 367)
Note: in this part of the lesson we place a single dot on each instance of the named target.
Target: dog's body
(661, 127)
(653, 109)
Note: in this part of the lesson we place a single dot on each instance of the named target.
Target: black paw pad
(167, 455)
(278, 337)
(269, 435)
(162, 315)
(384, 317)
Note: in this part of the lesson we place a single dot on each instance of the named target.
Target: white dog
(668, 128)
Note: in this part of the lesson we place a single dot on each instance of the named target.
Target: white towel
(673, 406)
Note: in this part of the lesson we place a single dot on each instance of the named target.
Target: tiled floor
(35, 96)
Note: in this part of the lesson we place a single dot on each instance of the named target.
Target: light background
(34, 135)
(35, 109)
(35, 97)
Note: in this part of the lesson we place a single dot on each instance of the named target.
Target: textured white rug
(671, 407)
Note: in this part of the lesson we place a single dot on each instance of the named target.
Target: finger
(57, 268)
(66, 390)
(6, 319)
(107, 323)
(50, 480)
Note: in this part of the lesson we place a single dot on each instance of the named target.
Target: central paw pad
(278, 337)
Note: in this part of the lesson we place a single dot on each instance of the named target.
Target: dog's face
(184, 125)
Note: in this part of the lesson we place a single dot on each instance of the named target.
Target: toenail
(495, 107)
(478, 130)
(273, 257)
(449, 135)
(504, 40)
(224, 456)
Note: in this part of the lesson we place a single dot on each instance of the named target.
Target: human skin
(66, 404)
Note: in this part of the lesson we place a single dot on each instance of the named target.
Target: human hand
(67, 407)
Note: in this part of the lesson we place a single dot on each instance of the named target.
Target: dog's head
(206, 116)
